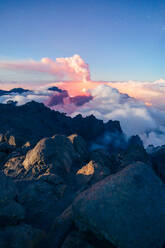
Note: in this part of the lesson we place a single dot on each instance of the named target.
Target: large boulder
(127, 208)
(42, 199)
(55, 155)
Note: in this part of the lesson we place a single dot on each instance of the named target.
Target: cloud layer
(139, 106)
(105, 103)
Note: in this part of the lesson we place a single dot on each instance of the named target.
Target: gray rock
(41, 199)
(55, 155)
(127, 208)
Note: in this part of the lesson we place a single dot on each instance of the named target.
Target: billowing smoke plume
(71, 68)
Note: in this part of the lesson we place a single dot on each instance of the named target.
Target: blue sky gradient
(120, 40)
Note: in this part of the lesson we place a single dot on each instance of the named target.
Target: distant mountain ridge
(14, 90)
(33, 121)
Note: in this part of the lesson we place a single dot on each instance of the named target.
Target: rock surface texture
(127, 208)
(61, 186)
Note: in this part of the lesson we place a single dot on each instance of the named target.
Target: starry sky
(120, 40)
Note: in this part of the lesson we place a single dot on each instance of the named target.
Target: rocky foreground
(77, 182)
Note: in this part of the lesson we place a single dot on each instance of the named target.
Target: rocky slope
(61, 186)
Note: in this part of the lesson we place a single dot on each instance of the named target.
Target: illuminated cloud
(151, 93)
(139, 106)
(71, 68)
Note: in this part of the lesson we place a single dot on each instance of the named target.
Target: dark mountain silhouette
(14, 90)
(33, 121)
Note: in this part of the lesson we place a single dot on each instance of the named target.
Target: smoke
(71, 68)
(139, 106)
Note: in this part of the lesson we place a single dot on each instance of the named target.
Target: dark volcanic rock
(104, 158)
(55, 155)
(80, 147)
(127, 208)
(41, 199)
(14, 168)
(92, 173)
(34, 121)
(14, 90)
(11, 212)
(134, 152)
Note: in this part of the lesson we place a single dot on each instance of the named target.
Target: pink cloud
(69, 68)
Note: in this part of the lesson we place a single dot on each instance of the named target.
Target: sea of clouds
(139, 106)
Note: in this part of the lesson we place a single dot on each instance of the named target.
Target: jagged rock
(92, 173)
(14, 168)
(55, 155)
(126, 208)
(42, 199)
(80, 147)
(27, 145)
(134, 152)
(20, 236)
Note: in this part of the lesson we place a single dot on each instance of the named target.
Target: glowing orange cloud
(77, 88)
